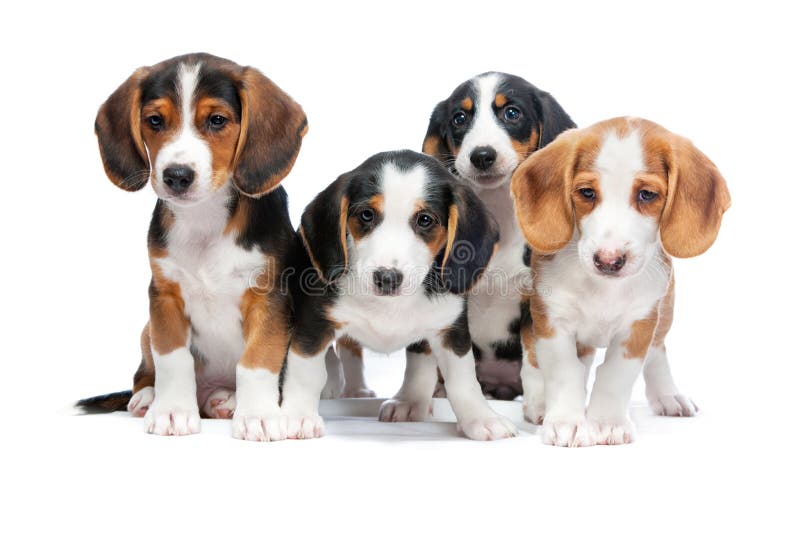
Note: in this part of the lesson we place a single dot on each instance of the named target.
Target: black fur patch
(420, 347)
(456, 337)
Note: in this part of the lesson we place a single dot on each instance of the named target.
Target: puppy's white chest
(213, 274)
(387, 324)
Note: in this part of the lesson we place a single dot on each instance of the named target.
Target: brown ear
(273, 126)
(119, 135)
(697, 196)
(540, 187)
(435, 143)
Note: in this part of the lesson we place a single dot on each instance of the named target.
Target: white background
(75, 269)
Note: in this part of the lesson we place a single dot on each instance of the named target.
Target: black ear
(323, 228)
(472, 235)
(552, 118)
(273, 126)
(435, 143)
(119, 135)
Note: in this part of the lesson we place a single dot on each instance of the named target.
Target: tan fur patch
(169, 326)
(351, 345)
(452, 226)
(265, 327)
(145, 375)
(584, 350)
(223, 143)
(500, 100)
(665, 311)
(641, 335)
(467, 104)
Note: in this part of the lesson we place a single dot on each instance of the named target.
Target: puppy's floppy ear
(119, 135)
(697, 196)
(272, 129)
(435, 143)
(541, 190)
(472, 234)
(552, 118)
(323, 229)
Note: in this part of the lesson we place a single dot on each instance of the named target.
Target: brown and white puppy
(604, 208)
(214, 139)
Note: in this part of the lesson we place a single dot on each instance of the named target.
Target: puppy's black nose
(483, 157)
(178, 178)
(387, 280)
(609, 263)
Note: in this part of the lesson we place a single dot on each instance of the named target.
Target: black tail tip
(110, 402)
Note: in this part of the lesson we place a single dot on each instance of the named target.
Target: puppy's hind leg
(144, 380)
(351, 354)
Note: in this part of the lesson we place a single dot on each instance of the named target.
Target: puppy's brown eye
(588, 193)
(155, 122)
(647, 196)
(459, 119)
(424, 221)
(217, 121)
(366, 216)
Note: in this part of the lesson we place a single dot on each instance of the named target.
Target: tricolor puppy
(390, 249)
(214, 139)
(481, 132)
(604, 208)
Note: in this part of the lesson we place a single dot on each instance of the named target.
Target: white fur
(485, 130)
(584, 306)
(413, 401)
(305, 378)
(257, 416)
(174, 410)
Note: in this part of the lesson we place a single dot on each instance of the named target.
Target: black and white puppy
(389, 251)
(482, 131)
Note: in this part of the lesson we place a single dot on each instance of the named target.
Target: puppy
(604, 208)
(481, 132)
(389, 251)
(214, 139)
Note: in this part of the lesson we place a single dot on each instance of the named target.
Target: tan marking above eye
(500, 100)
(467, 104)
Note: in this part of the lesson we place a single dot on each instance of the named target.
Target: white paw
(305, 426)
(332, 390)
(141, 401)
(259, 427)
(170, 418)
(400, 411)
(612, 432)
(220, 404)
(358, 393)
(674, 406)
(440, 392)
(487, 427)
(533, 412)
(567, 432)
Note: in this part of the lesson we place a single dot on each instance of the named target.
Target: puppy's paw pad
(488, 427)
(612, 432)
(566, 432)
(220, 404)
(305, 426)
(677, 405)
(141, 401)
(358, 393)
(259, 427)
(401, 411)
(172, 419)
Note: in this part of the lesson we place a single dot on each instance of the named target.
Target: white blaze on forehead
(615, 224)
(486, 130)
(393, 243)
(187, 147)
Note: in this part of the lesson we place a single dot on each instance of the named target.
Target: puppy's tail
(110, 402)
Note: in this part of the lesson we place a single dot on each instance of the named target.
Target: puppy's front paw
(533, 412)
(259, 426)
(305, 426)
(172, 418)
(220, 404)
(673, 405)
(566, 432)
(400, 411)
(487, 427)
(140, 401)
(358, 393)
(612, 432)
